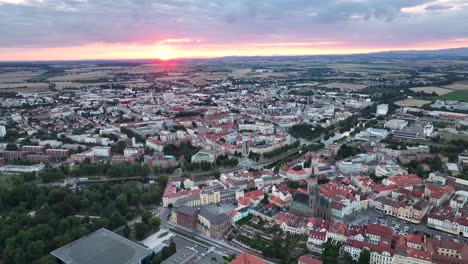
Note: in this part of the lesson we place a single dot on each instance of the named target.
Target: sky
(167, 29)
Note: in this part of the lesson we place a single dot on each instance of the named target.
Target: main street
(375, 216)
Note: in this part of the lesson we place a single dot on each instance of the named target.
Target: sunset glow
(126, 30)
(163, 52)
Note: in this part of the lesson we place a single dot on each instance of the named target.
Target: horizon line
(233, 56)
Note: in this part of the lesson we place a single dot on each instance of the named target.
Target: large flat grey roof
(102, 247)
(182, 256)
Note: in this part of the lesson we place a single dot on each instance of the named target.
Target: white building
(2, 131)
(382, 109)
(101, 151)
(378, 133)
(428, 129)
(51, 143)
(396, 124)
(168, 97)
(22, 168)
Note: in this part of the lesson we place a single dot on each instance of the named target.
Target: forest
(36, 220)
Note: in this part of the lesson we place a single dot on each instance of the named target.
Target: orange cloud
(171, 49)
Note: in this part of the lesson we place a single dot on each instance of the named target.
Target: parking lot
(400, 226)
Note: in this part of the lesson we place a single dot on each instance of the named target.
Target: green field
(46, 75)
(461, 96)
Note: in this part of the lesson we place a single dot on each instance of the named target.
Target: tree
(141, 230)
(145, 217)
(126, 231)
(172, 247)
(229, 258)
(154, 223)
(25, 239)
(120, 147)
(330, 253)
(165, 253)
(11, 147)
(117, 219)
(265, 199)
(121, 202)
(364, 257)
(35, 250)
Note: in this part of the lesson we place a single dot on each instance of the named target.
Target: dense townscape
(235, 160)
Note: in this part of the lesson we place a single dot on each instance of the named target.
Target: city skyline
(75, 30)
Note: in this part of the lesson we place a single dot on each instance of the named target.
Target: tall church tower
(313, 190)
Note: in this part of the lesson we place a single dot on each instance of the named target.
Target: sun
(164, 54)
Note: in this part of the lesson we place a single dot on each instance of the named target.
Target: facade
(204, 156)
(22, 168)
(35, 149)
(187, 217)
(58, 152)
(382, 109)
(212, 224)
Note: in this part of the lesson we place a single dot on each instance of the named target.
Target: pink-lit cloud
(59, 29)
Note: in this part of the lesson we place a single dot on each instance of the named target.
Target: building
(408, 134)
(169, 97)
(382, 109)
(58, 152)
(205, 156)
(247, 258)
(2, 131)
(308, 260)
(103, 247)
(396, 124)
(213, 224)
(463, 159)
(22, 168)
(101, 151)
(35, 149)
(38, 158)
(183, 256)
(301, 204)
(186, 216)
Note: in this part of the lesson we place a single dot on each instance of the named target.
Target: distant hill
(444, 54)
(421, 54)
(458, 53)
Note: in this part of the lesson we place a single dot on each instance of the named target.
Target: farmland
(432, 89)
(461, 96)
(412, 102)
(344, 86)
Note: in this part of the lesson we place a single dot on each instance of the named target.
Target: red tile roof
(309, 260)
(247, 258)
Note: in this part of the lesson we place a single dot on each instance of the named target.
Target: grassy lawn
(450, 136)
(461, 96)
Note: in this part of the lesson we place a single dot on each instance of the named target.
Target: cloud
(437, 7)
(62, 23)
(15, 2)
(176, 41)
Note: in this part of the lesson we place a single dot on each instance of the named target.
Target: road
(372, 215)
